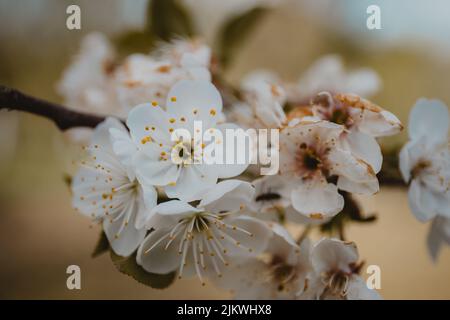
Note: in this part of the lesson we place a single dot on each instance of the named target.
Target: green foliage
(234, 32)
(168, 19)
(128, 266)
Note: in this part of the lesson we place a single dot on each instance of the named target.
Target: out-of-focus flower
(151, 128)
(86, 84)
(335, 266)
(263, 100)
(106, 190)
(328, 74)
(97, 83)
(425, 160)
(183, 52)
(311, 158)
(281, 273)
(438, 235)
(142, 78)
(202, 240)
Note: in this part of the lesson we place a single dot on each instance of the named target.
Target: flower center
(339, 116)
(183, 154)
(281, 272)
(337, 283)
(308, 159)
(205, 237)
(420, 167)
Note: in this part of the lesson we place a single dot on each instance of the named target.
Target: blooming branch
(64, 118)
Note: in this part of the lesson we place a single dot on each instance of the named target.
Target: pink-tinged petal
(333, 255)
(429, 118)
(159, 259)
(317, 199)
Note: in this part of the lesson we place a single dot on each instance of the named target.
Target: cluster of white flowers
(202, 219)
(425, 165)
(97, 82)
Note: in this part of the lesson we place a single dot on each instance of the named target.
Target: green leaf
(168, 19)
(128, 266)
(234, 32)
(102, 246)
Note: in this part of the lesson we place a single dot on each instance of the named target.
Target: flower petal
(158, 260)
(366, 148)
(427, 114)
(242, 244)
(333, 254)
(228, 195)
(190, 183)
(195, 100)
(421, 201)
(123, 239)
(317, 199)
(358, 290)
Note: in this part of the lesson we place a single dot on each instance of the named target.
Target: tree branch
(64, 118)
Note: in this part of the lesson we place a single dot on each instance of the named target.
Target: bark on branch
(64, 118)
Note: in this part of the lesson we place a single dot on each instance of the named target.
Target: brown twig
(64, 118)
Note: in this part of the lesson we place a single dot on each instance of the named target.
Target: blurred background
(40, 234)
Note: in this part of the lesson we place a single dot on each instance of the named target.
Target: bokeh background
(40, 234)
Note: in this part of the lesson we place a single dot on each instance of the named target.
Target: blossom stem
(63, 117)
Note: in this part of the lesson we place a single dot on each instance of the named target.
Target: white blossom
(143, 78)
(106, 190)
(151, 127)
(86, 84)
(363, 120)
(263, 100)
(203, 240)
(335, 273)
(328, 74)
(425, 160)
(280, 273)
(317, 165)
